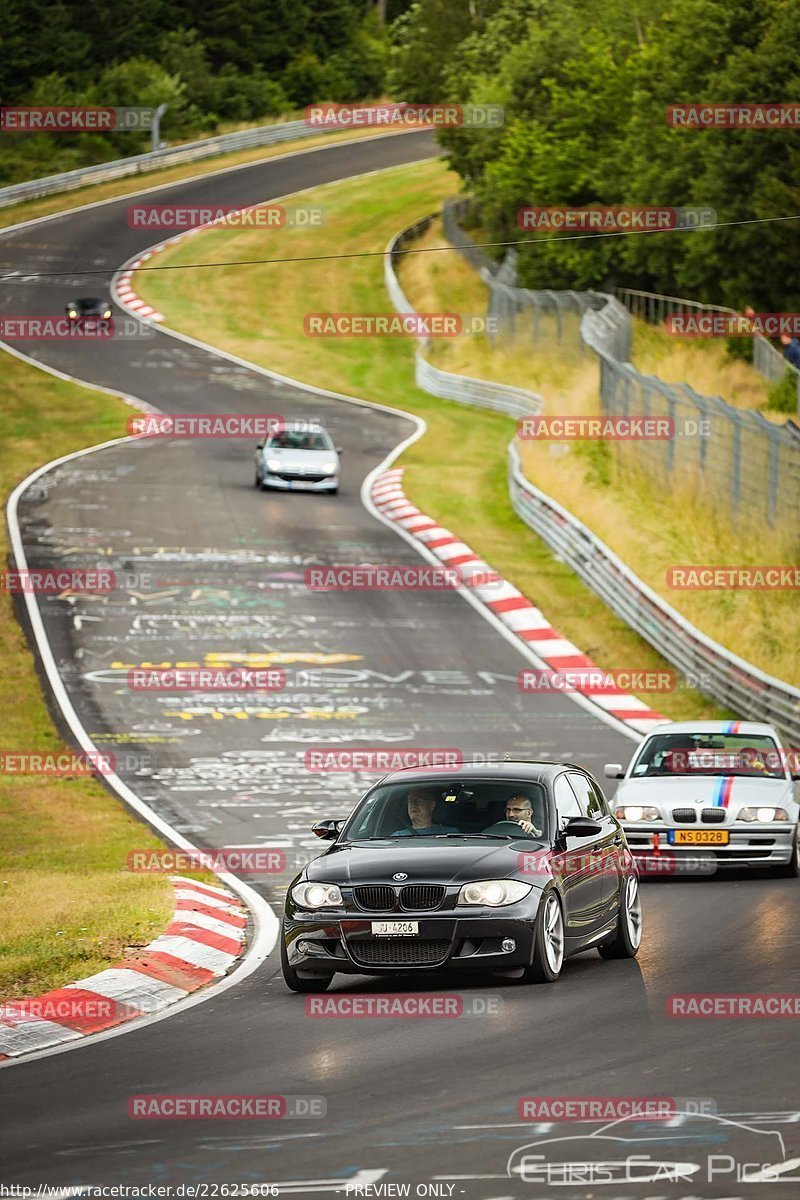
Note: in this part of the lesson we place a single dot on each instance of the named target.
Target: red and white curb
(205, 938)
(127, 297)
(516, 612)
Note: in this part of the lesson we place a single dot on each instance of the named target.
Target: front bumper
(750, 844)
(329, 484)
(324, 945)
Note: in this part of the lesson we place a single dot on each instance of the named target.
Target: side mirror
(614, 771)
(259, 445)
(796, 776)
(327, 830)
(339, 449)
(582, 827)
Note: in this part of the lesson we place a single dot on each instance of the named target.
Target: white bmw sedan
(719, 792)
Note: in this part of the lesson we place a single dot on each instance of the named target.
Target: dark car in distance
(91, 308)
(507, 867)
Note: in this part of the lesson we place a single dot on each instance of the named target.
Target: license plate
(395, 928)
(699, 837)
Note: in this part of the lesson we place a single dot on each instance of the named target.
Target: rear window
(438, 809)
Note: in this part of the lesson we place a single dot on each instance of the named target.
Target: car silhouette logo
(400, 875)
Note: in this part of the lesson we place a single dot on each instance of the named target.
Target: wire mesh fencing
(732, 458)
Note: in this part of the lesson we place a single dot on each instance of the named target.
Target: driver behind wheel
(519, 809)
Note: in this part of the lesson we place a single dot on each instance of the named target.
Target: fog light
(507, 945)
(304, 947)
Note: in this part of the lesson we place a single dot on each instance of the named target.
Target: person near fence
(791, 349)
(791, 345)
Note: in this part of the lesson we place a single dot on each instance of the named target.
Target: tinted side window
(601, 800)
(566, 801)
(587, 797)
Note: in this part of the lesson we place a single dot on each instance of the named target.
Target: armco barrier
(717, 672)
(514, 402)
(730, 680)
(245, 139)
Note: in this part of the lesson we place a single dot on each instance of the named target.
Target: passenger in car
(421, 803)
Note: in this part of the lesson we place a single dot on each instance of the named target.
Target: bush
(782, 395)
(239, 97)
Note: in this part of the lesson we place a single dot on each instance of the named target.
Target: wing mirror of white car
(259, 445)
(339, 449)
(796, 776)
(613, 771)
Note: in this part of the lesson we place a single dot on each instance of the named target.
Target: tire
(548, 942)
(628, 937)
(791, 870)
(316, 983)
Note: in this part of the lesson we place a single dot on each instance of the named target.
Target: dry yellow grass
(702, 363)
(651, 528)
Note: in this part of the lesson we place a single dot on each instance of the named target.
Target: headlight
(273, 464)
(329, 469)
(317, 895)
(493, 893)
(763, 814)
(636, 812)
(72, 313)
(107, 312)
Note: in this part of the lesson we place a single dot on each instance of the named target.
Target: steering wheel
(510, 827)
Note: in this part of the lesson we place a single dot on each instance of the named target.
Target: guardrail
(514, 402)
(118, 168)
(712, 669)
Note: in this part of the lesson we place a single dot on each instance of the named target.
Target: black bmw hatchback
(510, 867)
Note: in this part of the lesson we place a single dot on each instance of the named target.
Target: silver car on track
(300, 457)
(718, 792)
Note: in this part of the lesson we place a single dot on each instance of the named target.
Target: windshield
(465, 807)
(710, 754)
(299, 439)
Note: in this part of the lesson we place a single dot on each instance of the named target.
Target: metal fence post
(736, 463)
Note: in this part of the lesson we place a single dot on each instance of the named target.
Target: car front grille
(399, 952)
(713, 816)
(420, 896)
(375, 898)
(684, 816)
(301, 476)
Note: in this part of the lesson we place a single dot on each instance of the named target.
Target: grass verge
(649, 528)
(457, 472)
(68, 905)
